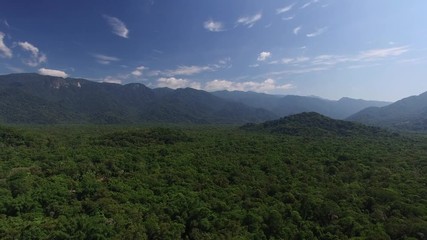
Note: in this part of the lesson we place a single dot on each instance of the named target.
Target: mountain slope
(408, 114)
(288, 105)
(33, 98)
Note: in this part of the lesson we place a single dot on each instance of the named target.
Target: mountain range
(407, 114)
(33, 98)
(291, 104)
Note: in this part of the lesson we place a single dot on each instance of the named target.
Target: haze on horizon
(329, 48)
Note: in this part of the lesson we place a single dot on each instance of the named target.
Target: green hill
(313, 124)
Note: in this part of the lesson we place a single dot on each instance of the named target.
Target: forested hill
(33, 98)
(406, 114)
(313, 124)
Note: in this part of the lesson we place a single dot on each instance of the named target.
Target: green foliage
(210, 182)
(143, 137)
(313, 125)
(9, 137)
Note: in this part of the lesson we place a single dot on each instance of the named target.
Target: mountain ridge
(409, 113)
(33, 98)
(293, 104)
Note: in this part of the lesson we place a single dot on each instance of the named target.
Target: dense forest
(213, 182)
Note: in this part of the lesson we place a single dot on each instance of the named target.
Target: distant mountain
(311, 124)
(288, 105)
(407, 114)
(33, 98)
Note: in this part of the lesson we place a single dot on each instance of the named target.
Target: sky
(365, 49)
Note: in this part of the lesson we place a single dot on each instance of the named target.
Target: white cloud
(213, 26)
(295, 60)
(104, 59)
(358, 59)
(189, 70)
(52, 72)
(368, 58)
(4, 50)
(249, 21)
(288, 18)
(175, 83)
(110, 79)
(384, 52)
(36, 57)
(297, 29)
(118, 27)
(317, 32)
(364, 56)
(138, 71)
(264, 56)
(185, 70)
(265, 86)
(296, 71)
(309, 3)
(285, 9)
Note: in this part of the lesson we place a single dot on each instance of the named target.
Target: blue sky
(328, 48)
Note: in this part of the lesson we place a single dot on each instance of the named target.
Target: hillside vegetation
(101, 182)
(406, 114)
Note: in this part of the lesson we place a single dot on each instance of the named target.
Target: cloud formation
(36, 57)
(118, 27)
(213, 26)
(297, 29)
(285, 9)
(175, 83)
(362, 57)
(189, 70)
(138, 71)
(185, 70)
(288, 18)
(295, 60)
(309, 3)
(265, 86)
(104, 59)
(110, 79)
(4, 50)
(264, 56)
(384, 52)
(52, 72)
(317, 32)
(249, 21)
